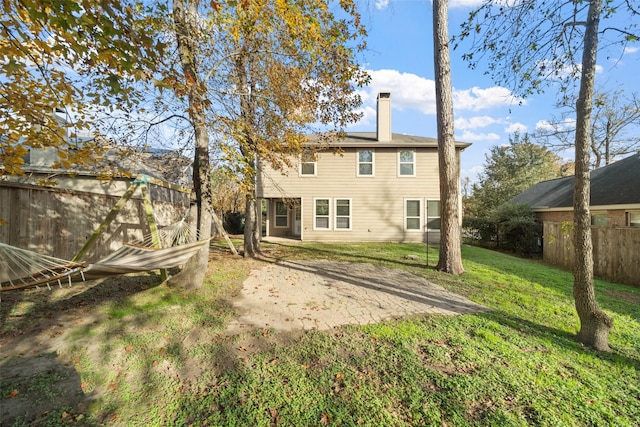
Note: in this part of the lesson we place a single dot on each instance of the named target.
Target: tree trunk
(257, 231)
(450, 259)
(250, 222)
(185, 20)
(594, 323)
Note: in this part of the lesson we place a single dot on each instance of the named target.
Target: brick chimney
(383, 121)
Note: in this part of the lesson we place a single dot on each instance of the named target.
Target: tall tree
(594, 323)
(283, 68)
(613, 115)
(529, 45)
(450, 258)
(188, 36)
(511, 169)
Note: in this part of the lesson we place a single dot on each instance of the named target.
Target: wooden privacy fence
(616, 251)
(58, 221)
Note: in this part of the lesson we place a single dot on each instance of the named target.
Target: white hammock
(20, 268)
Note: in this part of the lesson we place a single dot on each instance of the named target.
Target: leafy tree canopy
(527, 45)
(511, 169)
(68, 54)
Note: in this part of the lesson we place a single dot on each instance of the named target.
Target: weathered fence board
(57, 221)
(616, 251)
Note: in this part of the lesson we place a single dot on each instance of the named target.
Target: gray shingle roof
(368, 139)
(615, 184)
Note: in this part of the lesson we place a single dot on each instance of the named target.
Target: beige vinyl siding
(377, 203)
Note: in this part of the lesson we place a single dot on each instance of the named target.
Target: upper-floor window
(599, 219)
(433, 214)
(343, 214)
(633, 219)
(406, 163)
(308, 164)
(365, 163)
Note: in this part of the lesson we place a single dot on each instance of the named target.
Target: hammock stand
(142, 181)
(162, 249)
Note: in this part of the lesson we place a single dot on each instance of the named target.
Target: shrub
(480, 231)
(517, 228)
(511, 227)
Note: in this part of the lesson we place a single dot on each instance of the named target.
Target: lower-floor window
(282, 215)
(343, 214)
(633, 219)
(412, 214)
(433, 214)
(321, 213)
(599, 220)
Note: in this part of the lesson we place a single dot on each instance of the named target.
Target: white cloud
(368, 116)
(476, 137)
(566, 71)
(382, 4)
(412, 92)
(408, 91)
(476, 98)
(630, 49)
(544, 125)
(474, 122)
(516, 127)
(465, 3)
(547, 126)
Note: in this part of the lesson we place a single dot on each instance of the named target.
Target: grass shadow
(301, 251)
(560, 338)
(37, 390)
(22, 311)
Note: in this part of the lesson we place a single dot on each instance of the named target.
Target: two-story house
(368, 187)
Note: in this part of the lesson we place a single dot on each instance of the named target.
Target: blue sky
(400, 59)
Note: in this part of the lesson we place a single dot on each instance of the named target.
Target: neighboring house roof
(615, 184)
(167, 165)
(369, 140)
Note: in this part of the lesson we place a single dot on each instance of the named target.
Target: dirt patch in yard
(37, 380)
(268, 304)
(624, 296)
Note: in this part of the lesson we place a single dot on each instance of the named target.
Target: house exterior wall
(377, 202)
(615, 217)
(558, 216)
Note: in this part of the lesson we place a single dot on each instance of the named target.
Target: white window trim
(322, 216)
(427, 216)
(335, 214)
(315, 167)
(373, 163)
(628, 217)
(275, 215)
(414, 162)
(404, 217)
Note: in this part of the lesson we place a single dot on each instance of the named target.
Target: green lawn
(159, 357)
